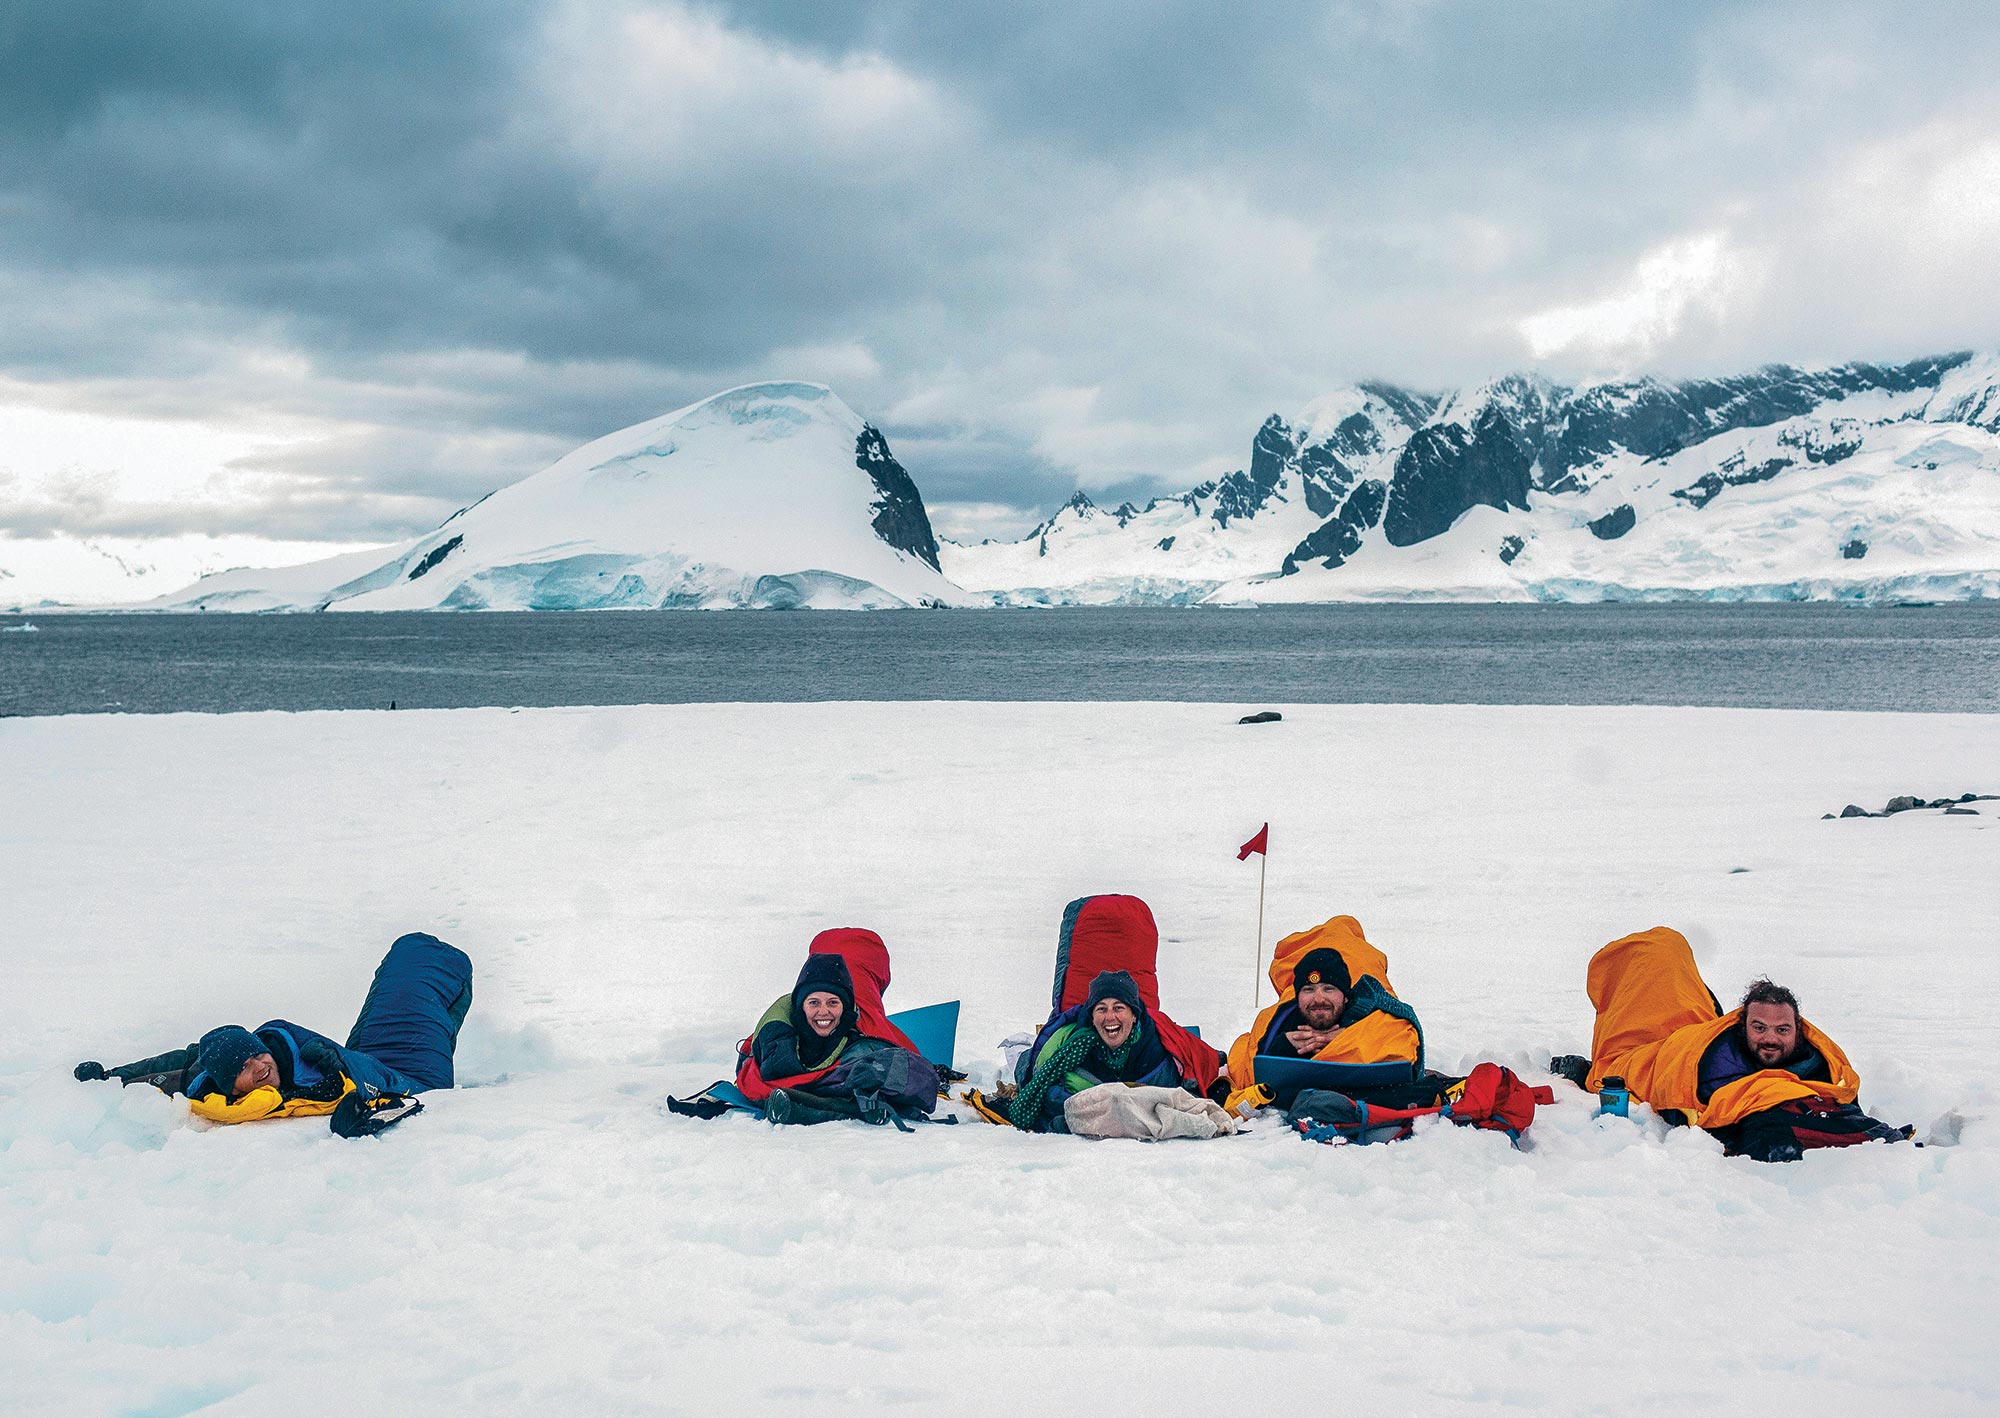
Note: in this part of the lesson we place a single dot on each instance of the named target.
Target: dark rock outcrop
(900, 518)
(1613, 524)
(436, 554)
(1339, 537)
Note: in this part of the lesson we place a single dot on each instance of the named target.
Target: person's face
(1113, 1020)
(260, 1072)
(1321, 1004)
(823, 1010)
(1772, 1031)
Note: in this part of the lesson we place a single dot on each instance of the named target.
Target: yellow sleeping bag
(1377, 1038)
(261, 1103)
(1655, 1019)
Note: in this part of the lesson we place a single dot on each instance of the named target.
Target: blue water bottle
(1614, 1098)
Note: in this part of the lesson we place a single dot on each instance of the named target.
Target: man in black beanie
(1320, 985)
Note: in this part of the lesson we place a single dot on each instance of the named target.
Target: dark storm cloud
(1042, 244)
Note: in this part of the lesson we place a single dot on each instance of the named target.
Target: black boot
(1574, 1067)
(787, 1106)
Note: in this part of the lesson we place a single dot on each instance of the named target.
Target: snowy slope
(767, 495)
(79, 571)
(636, 885)
(1862, 482)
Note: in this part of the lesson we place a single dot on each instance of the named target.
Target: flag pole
(1256, 979)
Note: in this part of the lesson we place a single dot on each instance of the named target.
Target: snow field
(634, 885)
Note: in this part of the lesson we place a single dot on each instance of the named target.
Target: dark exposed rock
(1268, 716)
(1447, 469)
(1613, 524)
(1840, 441)
(900, 518)
(1854, 550)
(1909, 802)
(1733, 473)
(1166, 543)
(1510, 547)
(1270, 451)
(1324, 477)
(437, 553)
(1339, 537)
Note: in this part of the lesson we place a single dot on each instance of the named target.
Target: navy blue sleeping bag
(410, 1021)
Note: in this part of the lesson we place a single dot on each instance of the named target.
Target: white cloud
(1679, 281)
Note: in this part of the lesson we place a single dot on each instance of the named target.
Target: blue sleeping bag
(408, 1026)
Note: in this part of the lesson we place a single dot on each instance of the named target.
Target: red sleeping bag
(1102, 933)
(868, 965)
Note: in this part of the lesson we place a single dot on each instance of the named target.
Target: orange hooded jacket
(1377, 1038)
(1655, 1019)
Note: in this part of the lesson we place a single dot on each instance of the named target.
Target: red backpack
(1489, 1097)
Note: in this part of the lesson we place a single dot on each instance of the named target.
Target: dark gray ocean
(1935, 658)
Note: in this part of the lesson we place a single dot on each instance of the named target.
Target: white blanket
(1152, 1114)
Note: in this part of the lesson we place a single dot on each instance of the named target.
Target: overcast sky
(325, 272)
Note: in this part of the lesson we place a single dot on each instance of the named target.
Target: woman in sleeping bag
(402, 1042)
(826, 1051)
(1109, 1038)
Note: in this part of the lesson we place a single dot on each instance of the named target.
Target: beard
(1320, 1016)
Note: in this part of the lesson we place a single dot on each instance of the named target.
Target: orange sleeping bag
(1656, 1017)
(1378, 1038)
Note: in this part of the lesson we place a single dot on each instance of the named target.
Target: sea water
(1935, 658)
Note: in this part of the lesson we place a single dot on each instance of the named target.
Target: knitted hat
(824, 974)
(1113, 984)
(220, 1057)
(1323, 966)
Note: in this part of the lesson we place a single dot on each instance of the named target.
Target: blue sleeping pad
(933, 1028)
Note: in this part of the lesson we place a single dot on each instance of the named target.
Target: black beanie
(826, 973)
(1323, 966)
(220, 1057)
(1113, 984)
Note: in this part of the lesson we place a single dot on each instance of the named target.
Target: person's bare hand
(1309, 1041)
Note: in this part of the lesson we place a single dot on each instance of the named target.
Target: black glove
(324, 1057)
(90, 1071)
(366, 1112)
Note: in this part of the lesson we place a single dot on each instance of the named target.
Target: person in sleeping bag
(804, 1060)
(1334, 1006)
(1110, 1037)
(403, 1041)
(1761, 1077)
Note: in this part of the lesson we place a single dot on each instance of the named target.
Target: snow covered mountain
(1857, 482)
(771, 495)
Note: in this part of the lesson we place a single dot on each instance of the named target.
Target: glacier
(772, 495)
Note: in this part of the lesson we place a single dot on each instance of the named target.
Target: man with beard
(1760, 1078)
(1334, 1007)
(1767, 1035)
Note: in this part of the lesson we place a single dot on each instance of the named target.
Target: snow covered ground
(636, 884)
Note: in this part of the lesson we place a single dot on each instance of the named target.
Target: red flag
(1260, 843)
